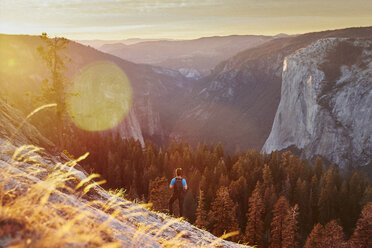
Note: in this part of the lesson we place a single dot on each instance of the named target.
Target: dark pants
(174, 197)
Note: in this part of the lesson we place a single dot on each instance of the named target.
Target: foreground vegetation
(46, 204)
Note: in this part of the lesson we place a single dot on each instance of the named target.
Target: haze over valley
(255, 116)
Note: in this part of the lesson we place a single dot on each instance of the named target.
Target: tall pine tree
(278, 223)
(223, 213)
(255, 225)
(159, 194)
(54, 91)
(201, 212)
(362, 235)
(291, 228)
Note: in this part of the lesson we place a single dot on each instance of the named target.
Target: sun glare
(11, 62)
(100, 97)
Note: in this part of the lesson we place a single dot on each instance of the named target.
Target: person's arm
(184, 184)
(172, 183)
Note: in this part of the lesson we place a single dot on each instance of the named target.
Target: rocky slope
(326, 98)
(193, 58)
(27, 218)
(237, 103)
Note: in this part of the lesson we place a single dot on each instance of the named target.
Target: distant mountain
(236, 104)
(326, 102)
(98, 43)
(199, 55)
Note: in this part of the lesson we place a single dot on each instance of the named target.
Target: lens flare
(100, 97)
(11, 62)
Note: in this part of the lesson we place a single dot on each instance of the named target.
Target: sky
(183, 19)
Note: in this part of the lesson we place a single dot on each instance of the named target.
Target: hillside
(237, 102)
(48, 201)
(22, 71)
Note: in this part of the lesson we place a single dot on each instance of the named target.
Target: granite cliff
(236, 104)
(326, 98)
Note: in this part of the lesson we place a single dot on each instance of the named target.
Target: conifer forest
(273, 200)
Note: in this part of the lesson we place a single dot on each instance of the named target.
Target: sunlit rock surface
(130, 128)
(13, 127)
(326, 102)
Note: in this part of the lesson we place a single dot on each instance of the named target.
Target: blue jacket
(184, 184)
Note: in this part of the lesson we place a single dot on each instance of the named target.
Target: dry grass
(45, 218)
(51, 205)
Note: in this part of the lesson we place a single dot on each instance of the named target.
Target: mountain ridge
(247, 87)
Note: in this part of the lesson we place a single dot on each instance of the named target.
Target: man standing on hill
(180, 186)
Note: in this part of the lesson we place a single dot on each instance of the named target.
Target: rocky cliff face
(326, 98)
(237, 103)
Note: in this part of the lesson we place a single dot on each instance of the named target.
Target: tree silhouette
(53, 89)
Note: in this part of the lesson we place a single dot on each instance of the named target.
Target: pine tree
(159, 194)
(319, 168)
(55, 91)
(255, 226)
(351, 193)
(334, 236)
(201, 213)
(314, 199)
(223, 213)
(278, 223)
(301, 197)
(270, 199)
(267, 176)
(238, 193)
(330, 236)
(291, 228)
(316, 237)
(328, 196)
(362, 235)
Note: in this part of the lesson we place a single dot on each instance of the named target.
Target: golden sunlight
(100, 97)
(11, 62)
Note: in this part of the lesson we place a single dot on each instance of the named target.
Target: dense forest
(273, 200)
